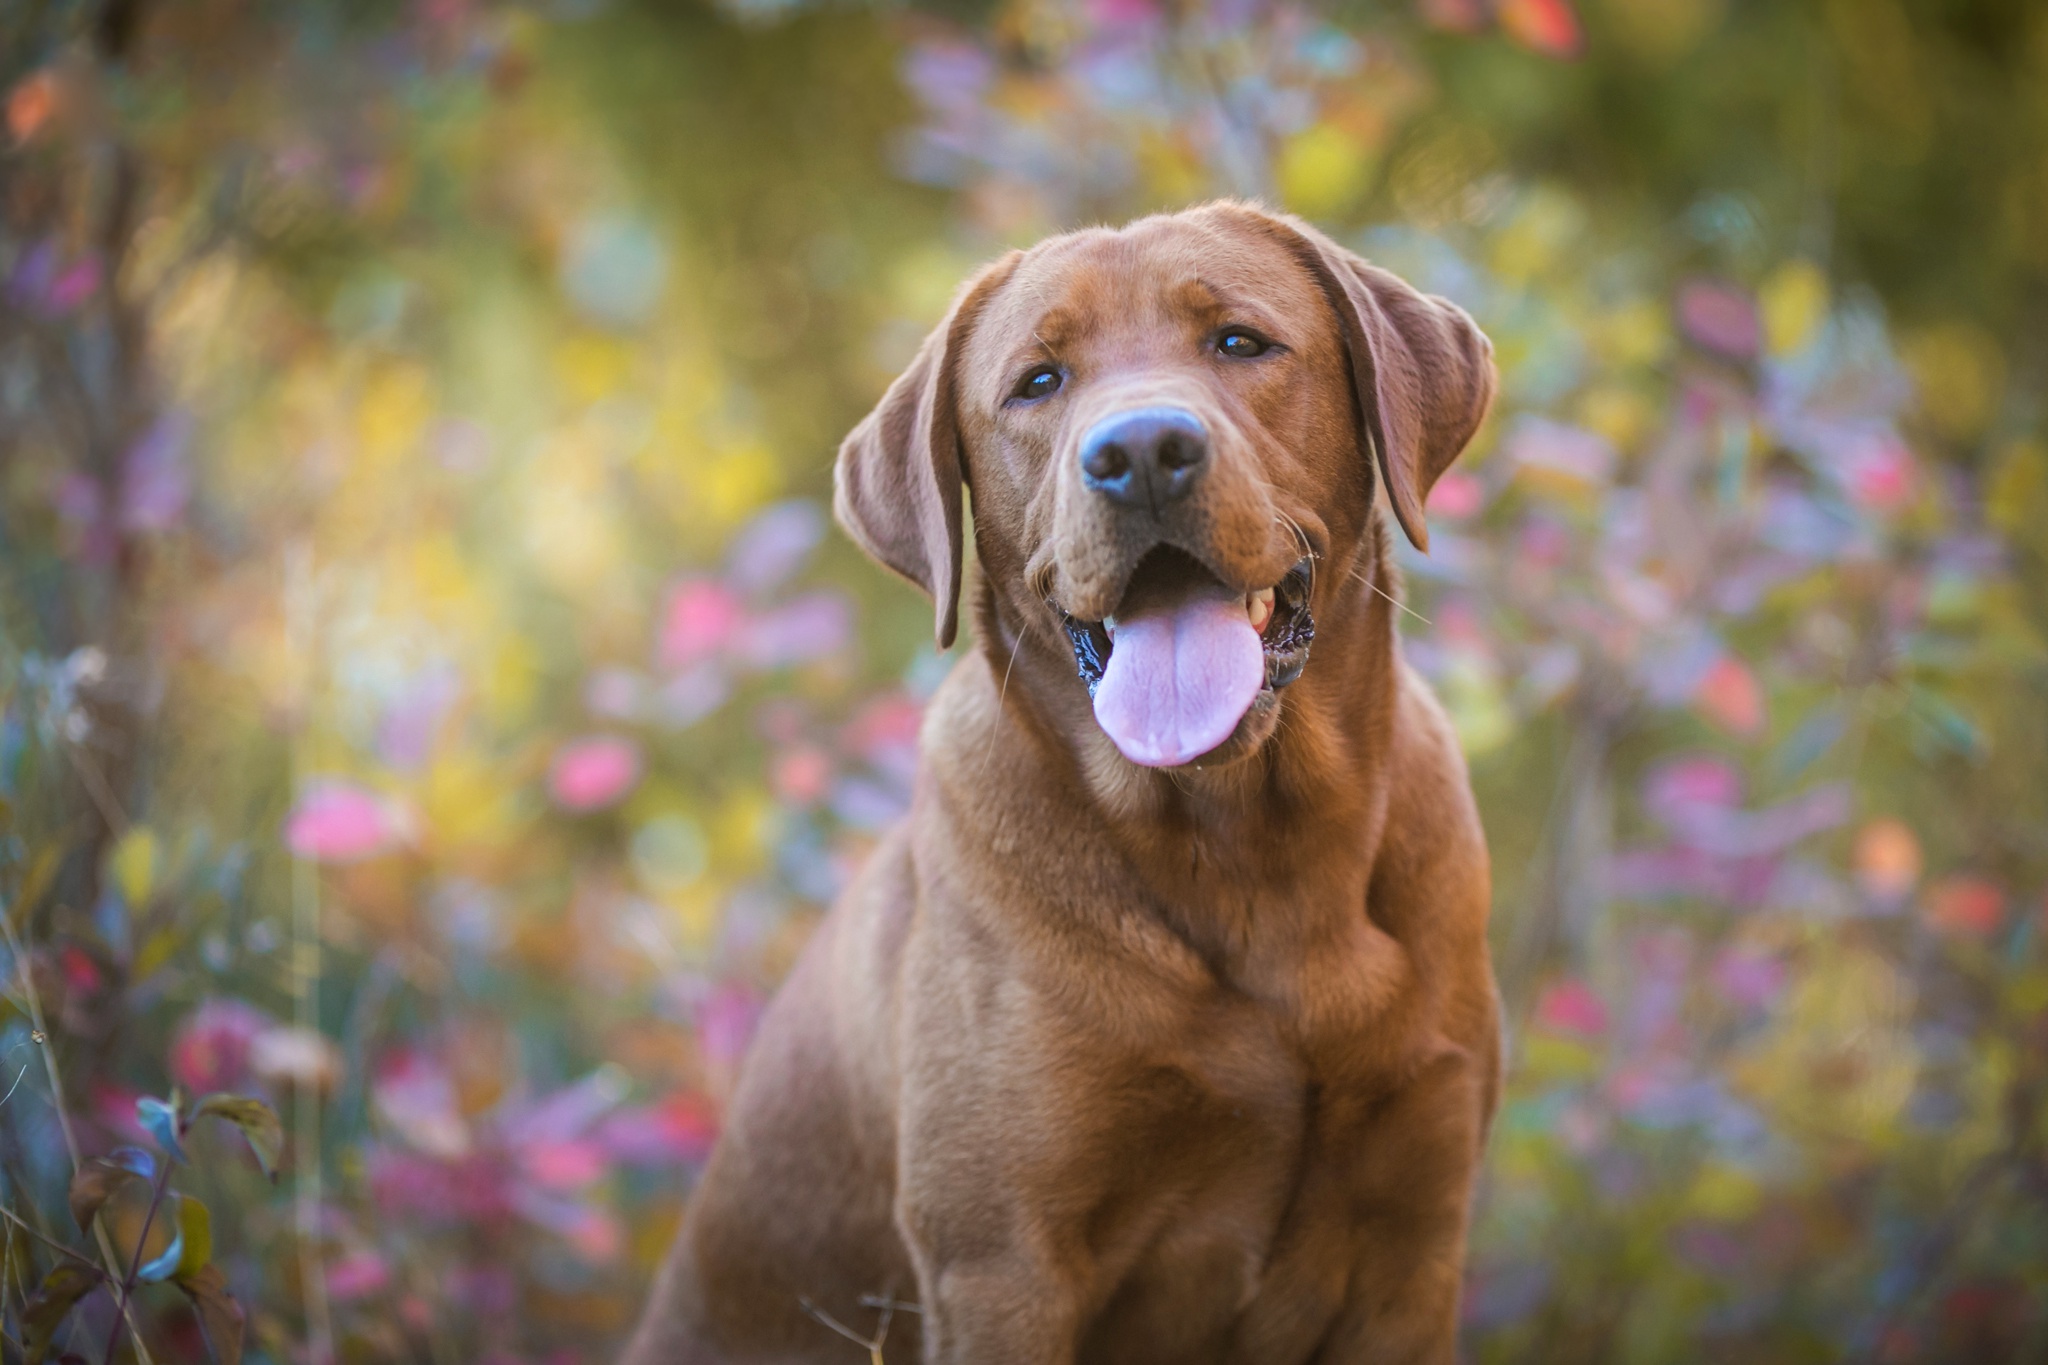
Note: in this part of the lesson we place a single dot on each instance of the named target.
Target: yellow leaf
(1795, 303)
(1637, 333)
(196, 1226)
(1550, 1057)
(133, 864)
(1322, 170)
(1171, 172)
(1621, 415)
(735, 484)
(743, 830)
(155, 951)
(2018, 489)
(1547, 223)
(35, 882)
(395, 409)
(1959, 373)
(591, 367)
(1723, 1194)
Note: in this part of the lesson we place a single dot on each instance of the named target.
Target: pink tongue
(1180, 677)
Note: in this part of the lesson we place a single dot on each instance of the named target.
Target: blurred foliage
(431, 697)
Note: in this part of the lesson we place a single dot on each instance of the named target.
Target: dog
(1163, 1028)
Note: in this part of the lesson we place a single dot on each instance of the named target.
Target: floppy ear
(896, 488)
(1424, 371)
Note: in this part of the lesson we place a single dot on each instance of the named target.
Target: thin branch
(872, 1345)
(49, 1051)
(52, 1243)
(127, 1286)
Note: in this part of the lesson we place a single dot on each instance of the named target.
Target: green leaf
(99, 1177)
(161, 1120)
(165, 1264)
(258, 1121)
(219, 1314)
(53, 1300)
(195, 1230)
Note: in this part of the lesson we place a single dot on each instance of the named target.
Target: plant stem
(48, 1048)
(52, 1243)
(126, 1289)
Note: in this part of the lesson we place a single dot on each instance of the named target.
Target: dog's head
(1167, 428)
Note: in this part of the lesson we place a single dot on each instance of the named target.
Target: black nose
(1146, 457)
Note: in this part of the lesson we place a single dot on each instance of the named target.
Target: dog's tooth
(1258, 608)
(1109, 626)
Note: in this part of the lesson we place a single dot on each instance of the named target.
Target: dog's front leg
(991, 1193)
(1000, 1275)
(1001, 1307)
(1410, 1183)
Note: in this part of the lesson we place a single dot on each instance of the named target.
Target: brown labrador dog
(1163, 1029)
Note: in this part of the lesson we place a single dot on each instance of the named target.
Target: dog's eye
(1241, 344)
(1042, 382)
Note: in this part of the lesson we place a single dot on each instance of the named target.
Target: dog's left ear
(896, 487)
(1424, 371)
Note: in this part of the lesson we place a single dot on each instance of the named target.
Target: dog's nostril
(1177, 452)
(1106, 461)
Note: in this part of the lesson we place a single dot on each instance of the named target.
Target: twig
(49, 1051)
(103, 798)
(126, 1289)
(309, 1175)
(52, 1243)
(872, 1345)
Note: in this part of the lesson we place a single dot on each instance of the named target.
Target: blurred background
(433, 700)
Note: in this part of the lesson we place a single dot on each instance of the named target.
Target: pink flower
(592, 773)
(357, 1276)
(474, 1189)
(725, 1022)
(701, 615)
(1683, 790)
(1549, 27)
(564, 1165)
(210, 1050)
(1967, 907)
(339, 822)
(1731, 697)
(1456, 495)
(155, 482)
(679, 1128)
(416, 1097)
(1570, 1006)
(811, 627)
(801, 776)
(1720, 317)
(1749, 976)
(1879, 475)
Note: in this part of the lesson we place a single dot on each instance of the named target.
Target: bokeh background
(433, 700)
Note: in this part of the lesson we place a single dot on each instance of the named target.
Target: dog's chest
(1210, 1236)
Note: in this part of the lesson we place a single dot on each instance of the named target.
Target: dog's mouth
(1183, 658)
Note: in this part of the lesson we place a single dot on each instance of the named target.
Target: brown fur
(1096, 1063)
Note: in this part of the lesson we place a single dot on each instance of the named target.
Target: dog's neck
(1295, 825)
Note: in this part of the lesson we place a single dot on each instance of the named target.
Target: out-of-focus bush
(432, 699)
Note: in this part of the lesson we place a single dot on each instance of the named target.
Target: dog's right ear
(896, 488)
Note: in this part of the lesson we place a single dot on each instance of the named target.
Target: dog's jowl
(1162, 1030)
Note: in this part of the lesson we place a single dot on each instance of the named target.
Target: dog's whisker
(1301, 542)
(1391, 598)
(1002, 694)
